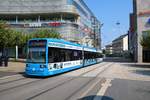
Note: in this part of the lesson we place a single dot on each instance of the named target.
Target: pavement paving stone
(122, 89)
(12, 68)
(128, 82)
(124, 71)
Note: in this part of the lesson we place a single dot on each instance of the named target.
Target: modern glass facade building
(71, 18)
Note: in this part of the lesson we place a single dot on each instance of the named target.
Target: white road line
(93, 85)
(89, 89)
(5, 77)
(102, 91)
(95, 72)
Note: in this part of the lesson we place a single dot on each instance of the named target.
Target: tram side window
(89, 55)
(76, 55)
(100, 55)
(93, 55)
(72, 55)
(54, 55)
(79, 55)
(62, 55)
(68, 55)
(86, 55)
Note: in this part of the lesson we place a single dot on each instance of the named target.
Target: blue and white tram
(53, 56)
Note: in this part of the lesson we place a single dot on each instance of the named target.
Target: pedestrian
(1, 60)
(5, 58)
(6, 61)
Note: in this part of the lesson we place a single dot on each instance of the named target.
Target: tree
(46, 33)
(145, 40)
(5, 35)
(10, 38)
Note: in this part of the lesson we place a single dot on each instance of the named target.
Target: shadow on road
(2, 74)
(27, 76)
(143, 72)
(144, 68)
(137, 65)
(116, 59)
(98, 98)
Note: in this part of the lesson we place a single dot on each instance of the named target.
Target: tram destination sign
(37, 43)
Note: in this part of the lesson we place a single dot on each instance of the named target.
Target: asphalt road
(129, 90)
(96, 82)
(2, 74)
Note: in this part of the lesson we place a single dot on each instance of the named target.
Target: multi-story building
(71, 18)
(120, 44)
(108, 49)
(140, 25)
(133, 37)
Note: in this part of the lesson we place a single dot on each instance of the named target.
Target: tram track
(58, 85)
(12, 81)
(91, 80)
(17, 86)
(2, 83)
(3, 90)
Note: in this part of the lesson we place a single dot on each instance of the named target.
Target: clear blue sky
(110, 12)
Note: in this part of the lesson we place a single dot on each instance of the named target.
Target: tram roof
(86, 48)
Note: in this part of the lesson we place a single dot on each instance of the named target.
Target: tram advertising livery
(48, 56)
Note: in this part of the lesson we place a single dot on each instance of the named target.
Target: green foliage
(19, 38)
(46, 33)
(145, 40)
(10, 38)
(5, 34)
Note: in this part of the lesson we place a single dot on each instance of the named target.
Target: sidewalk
(12, 68)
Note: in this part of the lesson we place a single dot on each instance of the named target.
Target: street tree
(5, 35)
(12, 38)
(145, 40)
(9, 37)
(46, 33)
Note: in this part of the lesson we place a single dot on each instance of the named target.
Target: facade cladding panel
(31, 6)
(71, 18)
(141, 14)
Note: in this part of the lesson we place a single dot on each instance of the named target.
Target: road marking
(5, 77)
(102, 91)
(89, 89)
(96, 72)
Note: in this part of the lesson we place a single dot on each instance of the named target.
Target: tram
(47, 56)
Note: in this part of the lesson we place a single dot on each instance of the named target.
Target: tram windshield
(36, 55)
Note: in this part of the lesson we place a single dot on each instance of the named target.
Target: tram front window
(36, 55)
